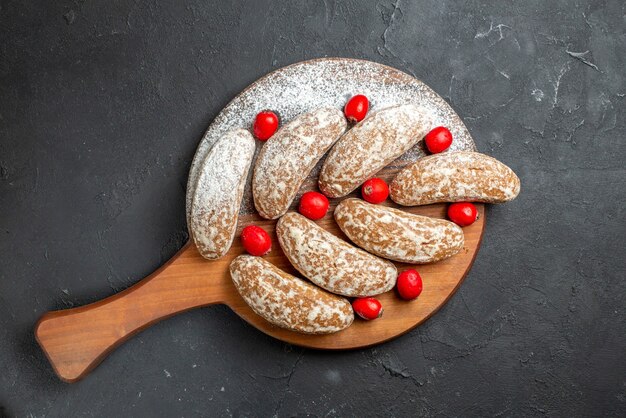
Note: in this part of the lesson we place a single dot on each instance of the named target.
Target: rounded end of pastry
(330, 190)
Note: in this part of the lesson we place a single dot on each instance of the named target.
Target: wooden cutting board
(76, 340)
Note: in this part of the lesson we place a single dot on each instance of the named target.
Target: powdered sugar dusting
(398, 235)
(455, 177)
(309, 85)
(287, 301)
(287, 158)
(330, 262)
(219, 189)
(371, 145)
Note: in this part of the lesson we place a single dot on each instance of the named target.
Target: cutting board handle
(76, 340)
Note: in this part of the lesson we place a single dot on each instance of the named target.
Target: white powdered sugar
(326, 82)
(287, 301)
(287, 158)
(455, 177)
(371, 145)
(219, 189)
(330, 262)
(398, 235)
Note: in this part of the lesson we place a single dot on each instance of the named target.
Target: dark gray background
(103, 103)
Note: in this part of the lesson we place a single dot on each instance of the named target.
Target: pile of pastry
(359, 144)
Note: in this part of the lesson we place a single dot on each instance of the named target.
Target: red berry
(409, 284)
(438, 140)
(313, 205)
(265, 124)
(462, 213)
(367, 308)
(375, 190)
(255, 240)
(356, 108)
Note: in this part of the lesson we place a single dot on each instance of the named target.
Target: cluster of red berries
(314, 205)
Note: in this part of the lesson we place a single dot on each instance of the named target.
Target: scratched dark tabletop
(102, 105)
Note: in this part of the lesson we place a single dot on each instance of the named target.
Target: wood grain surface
(76, 340)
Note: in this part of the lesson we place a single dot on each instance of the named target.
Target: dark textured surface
(102, 105)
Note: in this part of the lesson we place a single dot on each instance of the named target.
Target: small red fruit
(438, 140)
(313, 205)
(367, 308)
(356, 108)
(256, 240)
(265, 124)
(375, 190)
(409, 284)
(462, 213)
